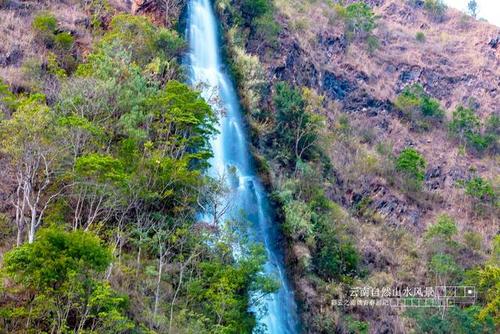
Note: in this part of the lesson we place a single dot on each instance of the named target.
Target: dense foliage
(117, 156)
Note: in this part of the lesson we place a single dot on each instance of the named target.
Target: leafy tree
(445, 269)
(336, 257)
(453, 320)
(297, 127)
(487, 280)
(360, 19)
(482, 192)
(223, 291)
(143, 40)
(61, 269)
(297, 222)
(255, 8)
(472, 7)
(411, 164)
(30, 139)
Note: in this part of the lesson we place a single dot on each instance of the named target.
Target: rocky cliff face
(456, 59)
(457, 63)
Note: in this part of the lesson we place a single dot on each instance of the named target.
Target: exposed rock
(410, 74)
(297, 68)
(336, 87)
(434, 178)
(494, 42)
(13, 57)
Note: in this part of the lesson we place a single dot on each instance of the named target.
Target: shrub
(412, 164)
(466, 126)
(479, 189)
(436, 8)
(254, 8)
(170, 43)
(420, 36)
(267, 29)
(291, 120)
(64, 41)
(444, 228)
(44, 24)
(360, 19)
(297, 223)
(336, 258)
(418, 107)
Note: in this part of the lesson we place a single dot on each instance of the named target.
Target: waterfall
(231, 152)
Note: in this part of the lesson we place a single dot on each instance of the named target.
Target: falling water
(231, 151)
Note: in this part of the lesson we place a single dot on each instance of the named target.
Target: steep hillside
(390, 81)
(374, 126)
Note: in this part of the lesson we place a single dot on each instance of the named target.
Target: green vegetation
(297, 129)
(418, 107)
(60, 275)
(436, 9)
(257, 16)
(468, 129)
(359, 22)
(60, 60)
(420, 36)
(45, 25)
(118, 154)
(484, 196)
(412, 165)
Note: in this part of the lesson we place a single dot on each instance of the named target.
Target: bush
(436, 9)
(290, 114)
(44, 24)
(479, 189)
(254, 8)
(267, 29)
(412, 164)
(420, 36)
(466, 126)
(418, 107)
(360, 19)
(64, 41)
(444, 228)
(170, 43)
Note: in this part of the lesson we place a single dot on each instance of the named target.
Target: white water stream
(231, 151)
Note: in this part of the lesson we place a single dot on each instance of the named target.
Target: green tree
(61, 272)
(467, 127)
(297, 128)
(30, 138)
(360, 19)
(472, 7)
(255, 8)
(444, 228)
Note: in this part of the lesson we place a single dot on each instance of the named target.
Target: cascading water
(231, 152)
